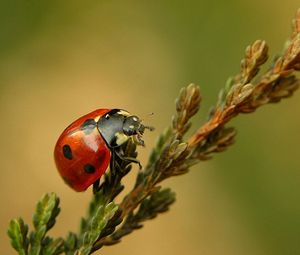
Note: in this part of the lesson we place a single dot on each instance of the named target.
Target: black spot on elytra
(88, 168)
(67, 151)
(88, 126)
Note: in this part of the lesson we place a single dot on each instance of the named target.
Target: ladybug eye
(107, 116)
(132, 125)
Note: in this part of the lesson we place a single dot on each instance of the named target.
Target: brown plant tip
(296, 24)
(217, 141)
(187, 105)
(291, 58)
(172, 161)
(242, 95)
(284, 88)
(255, 56)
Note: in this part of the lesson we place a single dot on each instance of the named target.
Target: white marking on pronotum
(125, 113)
(121, 138)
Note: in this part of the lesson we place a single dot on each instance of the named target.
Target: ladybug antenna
(148, 115)
(143, 127)
(140, 131)
(147, 127)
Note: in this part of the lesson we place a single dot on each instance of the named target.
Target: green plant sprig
(37, 242)
(106, 222)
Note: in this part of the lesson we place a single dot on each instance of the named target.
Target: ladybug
(85, 148)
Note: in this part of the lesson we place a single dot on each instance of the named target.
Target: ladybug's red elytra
(84, 149)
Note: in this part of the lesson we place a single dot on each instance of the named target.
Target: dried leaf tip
(187, 105)
(296, 24)
(255, 55)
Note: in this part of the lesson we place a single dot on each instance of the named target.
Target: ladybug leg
(139, 135)
(133, 160)
(96, 186)
(128, 159)
(137, 139)
(113, 162)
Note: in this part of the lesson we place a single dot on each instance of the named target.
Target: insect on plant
(110, 137)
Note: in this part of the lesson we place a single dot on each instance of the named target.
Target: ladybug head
(117, 126)
(133, 126)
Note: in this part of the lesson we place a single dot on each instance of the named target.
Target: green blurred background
(62, 59)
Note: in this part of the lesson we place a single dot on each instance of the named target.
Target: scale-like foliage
(107, 223)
